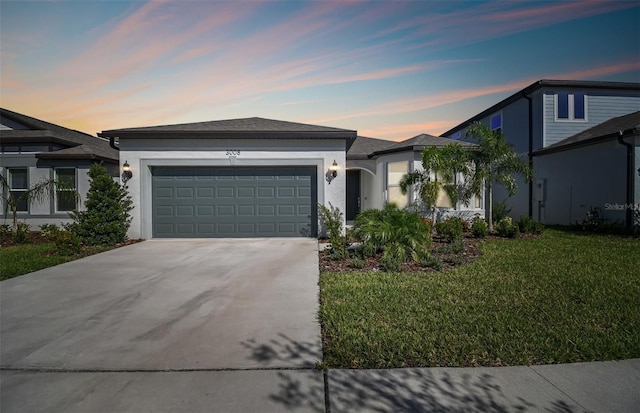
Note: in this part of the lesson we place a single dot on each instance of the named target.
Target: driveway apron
(168, 305)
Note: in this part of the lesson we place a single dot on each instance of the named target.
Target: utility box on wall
(541, 189)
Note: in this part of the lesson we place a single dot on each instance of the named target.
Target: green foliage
(66, 243)
(432, 261)
(506, 228)
(500, 211)
(106, 218)
(331, 220)
(357, 262)
(21, 233)
(5, 230)
(496, 162)
(439, 169)
(450, 229)
(479, 227)
(400, 234)
(49, 231)
(528, 225)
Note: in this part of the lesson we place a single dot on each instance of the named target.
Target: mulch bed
(449, 260)
(35, 237)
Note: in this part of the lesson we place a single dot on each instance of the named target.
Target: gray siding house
(544, 114)
(32, 150)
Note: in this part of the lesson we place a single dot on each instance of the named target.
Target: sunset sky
(387, 69)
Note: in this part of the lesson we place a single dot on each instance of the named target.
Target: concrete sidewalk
(584, 387)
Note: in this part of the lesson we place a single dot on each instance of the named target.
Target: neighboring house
(32, 150)
(375, 167)
(597, 168)
(546, 113)
(248, 177)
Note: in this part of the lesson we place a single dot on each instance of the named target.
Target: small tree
(106, 218)
(36, 193)
(439, 169)
(494, 162)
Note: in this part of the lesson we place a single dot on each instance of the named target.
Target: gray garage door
(205, 202)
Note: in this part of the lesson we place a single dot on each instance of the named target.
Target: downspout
(630, 166)
(112, 143)
(530, 156)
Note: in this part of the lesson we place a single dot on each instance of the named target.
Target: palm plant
(439, 169)
(494, 161)
(38, 192)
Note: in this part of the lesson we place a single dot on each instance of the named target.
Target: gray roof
(566, 84)
(236, 128)
(363, 147)
(81, 145)
(621, 125)
(418, 143)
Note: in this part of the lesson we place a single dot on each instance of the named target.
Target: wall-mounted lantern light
(126, 172)
(332, 172)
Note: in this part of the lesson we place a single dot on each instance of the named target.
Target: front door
(353, 194)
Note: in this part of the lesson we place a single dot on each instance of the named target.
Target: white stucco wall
(142, 154)
(579, 179)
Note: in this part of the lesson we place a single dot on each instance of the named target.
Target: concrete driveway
(160, 306)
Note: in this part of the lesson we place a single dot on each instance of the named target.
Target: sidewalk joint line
(557, 388)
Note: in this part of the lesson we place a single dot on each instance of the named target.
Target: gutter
(630, 166)
(112, 143)
(530, 156)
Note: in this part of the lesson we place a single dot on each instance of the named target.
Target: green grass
(565, 297)
(25, 258)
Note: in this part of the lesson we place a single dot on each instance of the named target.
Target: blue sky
(387, 69)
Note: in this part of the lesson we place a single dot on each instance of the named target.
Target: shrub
(21, 234)
(529, 225)
(67, 243)
(331, 220)
(506, 228)
(106, 218)
(401, 234)
(5, 230)
(499, 211)
(49, 231)
(450, 229)
(357, 263)
(432, 261)
(479, 228)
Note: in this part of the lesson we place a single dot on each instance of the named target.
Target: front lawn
(565, 297)
(21, 259)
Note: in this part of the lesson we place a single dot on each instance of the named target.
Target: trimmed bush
(450, 229)
(401, 234)
(479, 228)
(529, 225)
(49, 231)
(67, 243)
(506, 228)
(106, 218)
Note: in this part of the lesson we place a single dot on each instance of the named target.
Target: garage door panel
(234, 201)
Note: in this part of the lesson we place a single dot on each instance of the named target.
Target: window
(395, 172)
(571, 106)
(18, 184)
(443, 200)
(65, 200)
(456, 135)
(495, 122)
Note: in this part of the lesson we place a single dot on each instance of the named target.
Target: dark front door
(353, 194)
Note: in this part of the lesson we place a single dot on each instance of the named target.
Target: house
(32, 150)
(257, 177)
(574, 185)
(546, 113)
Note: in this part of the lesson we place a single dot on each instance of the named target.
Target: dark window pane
(578, 105)
(18, 179)
(563, 106)
(10, 149)
(496, 121)
(67, 177)
(23, 205)
(34, 148)
(65, 201)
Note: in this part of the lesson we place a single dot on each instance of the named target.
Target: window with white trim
(571, 107)
(18, 180)
(443, 200)
(65, 201)
(395, 172)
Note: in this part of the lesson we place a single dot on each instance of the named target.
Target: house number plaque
(233, 152)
